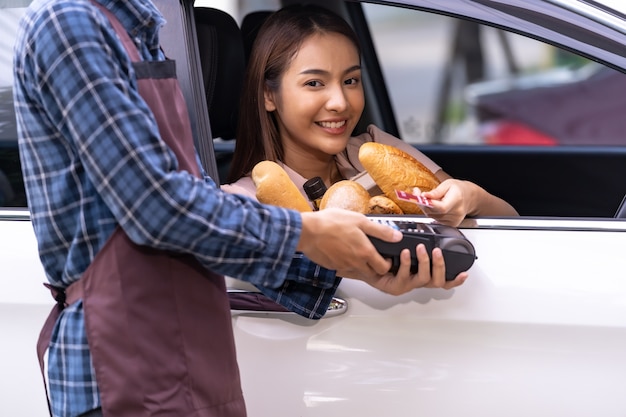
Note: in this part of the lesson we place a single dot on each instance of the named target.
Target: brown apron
(158, 324)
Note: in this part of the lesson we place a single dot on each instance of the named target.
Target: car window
(11, 184)
(468, 83)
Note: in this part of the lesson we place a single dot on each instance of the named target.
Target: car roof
(618, 5)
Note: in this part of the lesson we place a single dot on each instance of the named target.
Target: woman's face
(320, 98)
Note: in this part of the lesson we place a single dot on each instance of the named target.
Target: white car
(539, 328)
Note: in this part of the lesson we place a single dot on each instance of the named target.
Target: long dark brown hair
(278, 41)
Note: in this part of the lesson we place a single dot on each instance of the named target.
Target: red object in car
(506, 132)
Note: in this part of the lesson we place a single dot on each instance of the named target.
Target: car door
(539, 326)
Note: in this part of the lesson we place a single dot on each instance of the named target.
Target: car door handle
(256, 302)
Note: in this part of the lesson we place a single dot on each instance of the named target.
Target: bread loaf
(273, 186)
(348, 195)
(393, 169)
(380, 204)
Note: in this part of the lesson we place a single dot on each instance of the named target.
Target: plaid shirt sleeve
(308, 289)
(75, 71)
(93, 159)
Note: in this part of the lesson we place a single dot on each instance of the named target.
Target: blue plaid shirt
(92, 159)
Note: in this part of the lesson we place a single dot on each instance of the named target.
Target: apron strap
(63, 298)
(121, 32)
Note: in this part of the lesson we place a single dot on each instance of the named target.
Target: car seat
(250, 26)
(222, 61)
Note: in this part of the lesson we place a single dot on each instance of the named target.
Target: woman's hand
(453, 200)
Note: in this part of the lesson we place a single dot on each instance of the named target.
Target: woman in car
(302, 97)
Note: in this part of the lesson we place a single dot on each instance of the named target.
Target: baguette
(273, 186)
(393, 169)
(348, 195)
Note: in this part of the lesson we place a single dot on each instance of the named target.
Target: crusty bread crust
(393, 169)
(380, 204)
(273, 186)
(348, 195)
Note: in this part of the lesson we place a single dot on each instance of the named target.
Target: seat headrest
(250, 26)
(223, 62)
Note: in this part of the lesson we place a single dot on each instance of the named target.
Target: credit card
(419, 199)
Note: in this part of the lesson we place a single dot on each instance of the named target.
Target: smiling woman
(301, 101)
(317, 104)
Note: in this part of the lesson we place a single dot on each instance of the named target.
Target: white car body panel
(538, 329)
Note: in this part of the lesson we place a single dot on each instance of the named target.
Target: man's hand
(337, 239)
